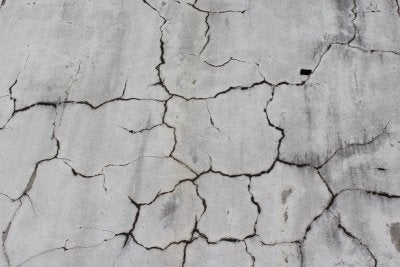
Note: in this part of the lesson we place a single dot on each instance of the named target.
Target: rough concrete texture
(200, 133)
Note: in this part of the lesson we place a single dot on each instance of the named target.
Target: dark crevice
(142, 130)
(354, 11)
(211, 120)
(76, 173)
(253, 258)
(380, 194)
(252, 199)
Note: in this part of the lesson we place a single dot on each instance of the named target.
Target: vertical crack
(211, 120)
(4, 235)
(253, 258)
(252, 199)
(281, 130)
(354, 11)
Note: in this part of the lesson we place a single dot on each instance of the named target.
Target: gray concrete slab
(200, 133)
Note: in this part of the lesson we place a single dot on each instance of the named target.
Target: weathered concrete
(200, 133)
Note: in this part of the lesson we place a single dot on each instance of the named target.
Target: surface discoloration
(395, 235)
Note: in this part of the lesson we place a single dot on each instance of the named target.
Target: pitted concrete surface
(200, 133)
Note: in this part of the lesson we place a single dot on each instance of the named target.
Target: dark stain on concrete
(285, 195)
(169, 208)
(395, 235)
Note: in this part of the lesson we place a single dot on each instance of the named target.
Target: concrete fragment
(170, 218)
(290, 197)
(229, 133)
(230, 213)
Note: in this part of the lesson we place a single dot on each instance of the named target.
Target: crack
(6, 231)
(184, 254)
(397, 53)
(13, 101)
(91, 106)
(64, 248)
(346, 232)
(95, 228)
(142, 130)
(329, 205)
(76, 173)
(398, 7)
(211, 120)
(353, 10)
(130, 234)
(355, 15)
(278, 84)
(252, 199)
(382, 134)
(207, 35)
(124, 89)
(33, 175)
(279, 129)
(216, 12)
(378, 193)
(253, 258)
(174, 133)
(225, 63)
(41, 253)
(162, 43)
(139, 205)
(161, 83)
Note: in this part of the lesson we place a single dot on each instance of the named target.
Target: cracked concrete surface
(200, 133)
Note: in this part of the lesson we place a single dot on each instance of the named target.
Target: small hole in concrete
(305, 72)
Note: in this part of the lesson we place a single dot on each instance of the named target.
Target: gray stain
(285, 195)
(169, 207)
(395, 235)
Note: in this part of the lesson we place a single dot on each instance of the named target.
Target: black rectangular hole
(305, 72)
